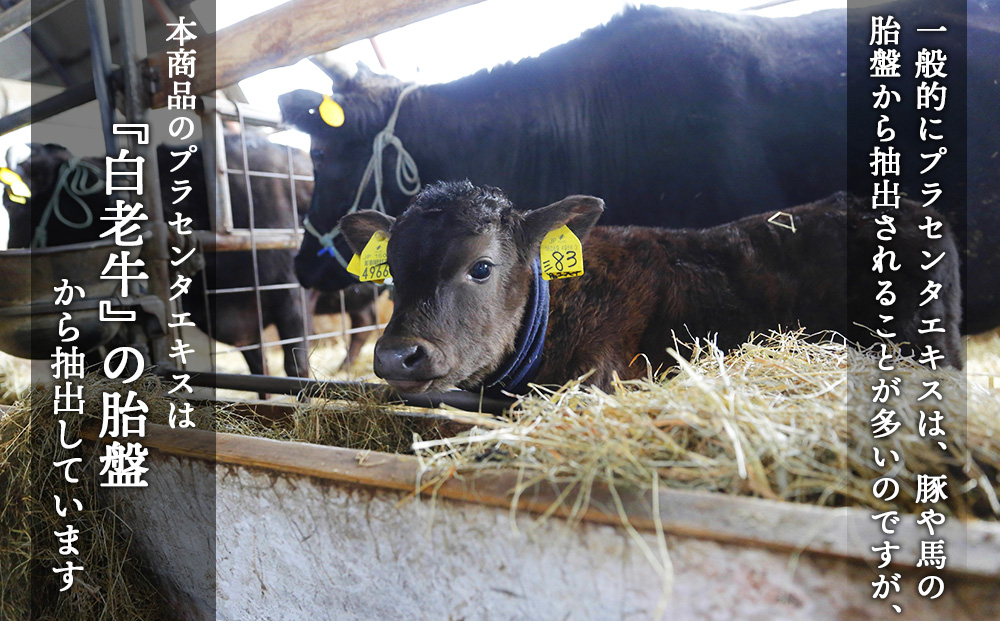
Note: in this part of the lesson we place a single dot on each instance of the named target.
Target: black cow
(675, 117)
(233, 320)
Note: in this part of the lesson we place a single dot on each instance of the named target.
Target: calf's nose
(407, 360)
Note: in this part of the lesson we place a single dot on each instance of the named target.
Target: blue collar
(521, 366)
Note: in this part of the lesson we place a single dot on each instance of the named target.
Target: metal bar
(267, 239)
(316, 337)
(347, 331)
(17, 18)
(208, 164)
(132, 41)
(253, 237)
(307, 314)
(270, 175)
(378, 52)
(343, 331)
(42, 49)
(57, 104)
(347, 391)
(223, 214)
(208, 312)
(277, 287)
(100, 60)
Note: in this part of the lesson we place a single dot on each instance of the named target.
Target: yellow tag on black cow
(375, 259)
(331, 112)
(562, 254)
(354, 267)
(18, 191)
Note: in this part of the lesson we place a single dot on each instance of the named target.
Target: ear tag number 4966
(562, 254)
(373, 264)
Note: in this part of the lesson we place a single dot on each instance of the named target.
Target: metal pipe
(272, 175)
(307, 314)
(43, 49)
(277, 287)
(347, 391)
(267, 239)
(222, 217)
(100, 60)
(17, 18)
(133, 50)
(253, 239)
(57, 104)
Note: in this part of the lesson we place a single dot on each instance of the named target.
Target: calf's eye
(481, 271)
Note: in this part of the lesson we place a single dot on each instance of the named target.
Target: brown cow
(471, 307)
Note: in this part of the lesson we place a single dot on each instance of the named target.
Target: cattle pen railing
(226, 237)
(236, 52)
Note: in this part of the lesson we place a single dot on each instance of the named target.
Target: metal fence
(215, 113)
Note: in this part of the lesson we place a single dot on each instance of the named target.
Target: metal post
(133, 45)
(43, 49)
(307, 313)
(17, 18)
(345, 339)
(253, 238)
(222, 216)
(100, 59)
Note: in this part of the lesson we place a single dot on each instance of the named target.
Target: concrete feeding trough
(292, 530)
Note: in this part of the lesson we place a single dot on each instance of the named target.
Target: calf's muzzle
(409, 364)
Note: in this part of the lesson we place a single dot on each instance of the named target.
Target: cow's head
(41, 172)
(339, 156)
(460, 258)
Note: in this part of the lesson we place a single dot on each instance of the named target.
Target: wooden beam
(290, 32)
(973, 546)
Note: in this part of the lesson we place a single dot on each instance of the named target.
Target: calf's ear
(358, 227)
(579, 213)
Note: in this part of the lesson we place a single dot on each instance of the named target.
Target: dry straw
(783, 417)
(115, 584)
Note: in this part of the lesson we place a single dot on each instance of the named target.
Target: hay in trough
(362, 423)
(114, 584)
(783, 417)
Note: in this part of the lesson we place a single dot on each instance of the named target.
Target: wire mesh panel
(264, 190)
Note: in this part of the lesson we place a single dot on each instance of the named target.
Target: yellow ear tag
(331, 112)
(562, 254)
(374, 261)
(354, 267)
(18, 188)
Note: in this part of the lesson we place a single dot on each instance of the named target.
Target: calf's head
(461, 260)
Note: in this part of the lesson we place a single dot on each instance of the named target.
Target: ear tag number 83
(373, 264)
(561, 254)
